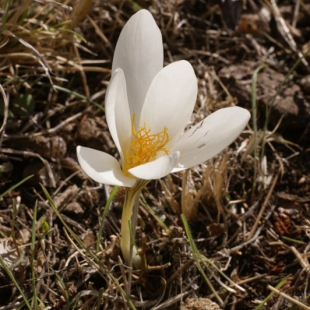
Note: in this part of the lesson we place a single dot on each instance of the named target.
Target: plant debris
(247, 209)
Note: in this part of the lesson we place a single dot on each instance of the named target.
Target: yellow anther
(145, 146)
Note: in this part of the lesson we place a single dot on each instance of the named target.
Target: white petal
(117, 111)
(139, 53)
(102, 167)
(209, 137)
(170, 100)
(156, 169)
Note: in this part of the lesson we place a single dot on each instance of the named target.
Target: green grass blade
(135, 4)
(87, 250)
(32, 249)
(79, 96)
(15, 186)
(11, 276)
(279, 89)
(196, 255)
(63, 286)
(200, 260)
(282, 282)
(106, 208)
(151, 211)
(6, 13)
(75, 305)
(100, 294)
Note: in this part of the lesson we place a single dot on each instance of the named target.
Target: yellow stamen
(145, 146)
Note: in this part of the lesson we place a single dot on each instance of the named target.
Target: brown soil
(248, 208)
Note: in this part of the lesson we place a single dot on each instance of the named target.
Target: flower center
(145, 145)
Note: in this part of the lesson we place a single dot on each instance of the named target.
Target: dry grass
(55, 66)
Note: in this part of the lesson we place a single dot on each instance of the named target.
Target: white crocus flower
(147, 108)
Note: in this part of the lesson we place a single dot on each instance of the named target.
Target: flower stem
(128, 225)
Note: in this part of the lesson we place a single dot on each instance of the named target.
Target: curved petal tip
(156, 169)
(102, 167)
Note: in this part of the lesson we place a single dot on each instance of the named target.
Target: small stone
(74, 207)
(199, 304)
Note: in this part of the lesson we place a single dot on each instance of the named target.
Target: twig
(5, 114)
(294, 301)
(82, 72)
(31, 154)
(303, 262)
(171, 301)
(296, 12)
(238, 247)
(262, 210)
(125, 279)
(46, 131)
(285, 32)
(47, 69)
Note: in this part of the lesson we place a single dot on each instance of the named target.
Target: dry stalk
(289, 298)
(286, 34)
(262, 210)
(171, 301)
(82, 72)
(79, 12)
(5, 114)
(31, 154)
(303, 262)
(169, 189)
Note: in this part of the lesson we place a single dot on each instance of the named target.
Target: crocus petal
(156, 169)
(210, 136)
(139, 53)
(170, 100)
(102, 167)
(117, 111)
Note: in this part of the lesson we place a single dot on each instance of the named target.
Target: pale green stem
(128, 225)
